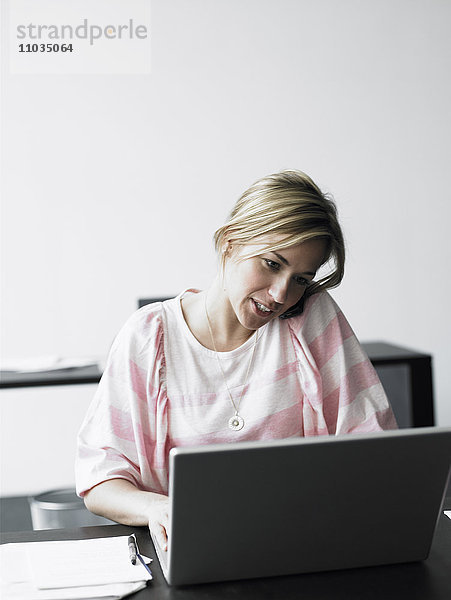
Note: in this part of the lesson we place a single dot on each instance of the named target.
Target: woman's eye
(271, 264)
(302, 281)
(275, 266)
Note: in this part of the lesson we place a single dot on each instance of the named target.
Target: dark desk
(407, 378)
(428, 580)
(76, 375)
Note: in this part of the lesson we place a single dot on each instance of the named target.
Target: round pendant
(236, 423)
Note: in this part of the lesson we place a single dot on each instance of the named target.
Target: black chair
(143, 301)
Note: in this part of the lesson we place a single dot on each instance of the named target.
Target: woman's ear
(227, 249)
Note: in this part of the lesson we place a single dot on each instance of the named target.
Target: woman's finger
(158, 524)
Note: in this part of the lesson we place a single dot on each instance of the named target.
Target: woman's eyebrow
(281, 258)
(284, 260)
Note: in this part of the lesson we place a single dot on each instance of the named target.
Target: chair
(143, 301)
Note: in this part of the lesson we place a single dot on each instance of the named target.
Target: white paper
(70, 569)
(46, 363)
(27, 591)
(448, 513)
(71, 563)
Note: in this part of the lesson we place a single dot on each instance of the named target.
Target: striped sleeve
(125, 429)
(342, 391)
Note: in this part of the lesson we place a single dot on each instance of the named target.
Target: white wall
(38, 432)
(114, 184)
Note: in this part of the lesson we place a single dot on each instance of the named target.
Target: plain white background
(114, 184)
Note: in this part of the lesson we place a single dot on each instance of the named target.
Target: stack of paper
(46, 363)
(70, 570)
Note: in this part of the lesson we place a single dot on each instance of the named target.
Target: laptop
(258, 509)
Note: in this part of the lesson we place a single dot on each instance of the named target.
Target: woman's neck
(226, 329)
(213, 305)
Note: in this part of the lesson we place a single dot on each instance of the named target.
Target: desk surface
(428, 580)
(75, 375)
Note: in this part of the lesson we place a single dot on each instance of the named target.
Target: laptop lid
(257, 509)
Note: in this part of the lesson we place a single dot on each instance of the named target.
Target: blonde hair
(292, 207)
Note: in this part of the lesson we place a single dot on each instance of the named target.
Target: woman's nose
(279, 291)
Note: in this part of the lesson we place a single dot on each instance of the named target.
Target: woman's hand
(120, 501)
(158, 521)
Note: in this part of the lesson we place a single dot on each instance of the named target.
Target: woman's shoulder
(319, 310)
(143, 329)
(320, 302)
(323, 328)
(147, 317)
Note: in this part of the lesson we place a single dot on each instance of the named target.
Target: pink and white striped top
(162, 388)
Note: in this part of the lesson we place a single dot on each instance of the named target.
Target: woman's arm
(120, 501)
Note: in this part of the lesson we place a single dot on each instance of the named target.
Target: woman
(263, 353)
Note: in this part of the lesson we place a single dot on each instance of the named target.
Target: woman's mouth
(261, 309)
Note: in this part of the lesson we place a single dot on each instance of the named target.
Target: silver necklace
(236, 423)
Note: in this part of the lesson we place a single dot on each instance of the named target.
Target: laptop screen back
(259, 509)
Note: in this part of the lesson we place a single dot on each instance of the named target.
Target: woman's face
(263, 287)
